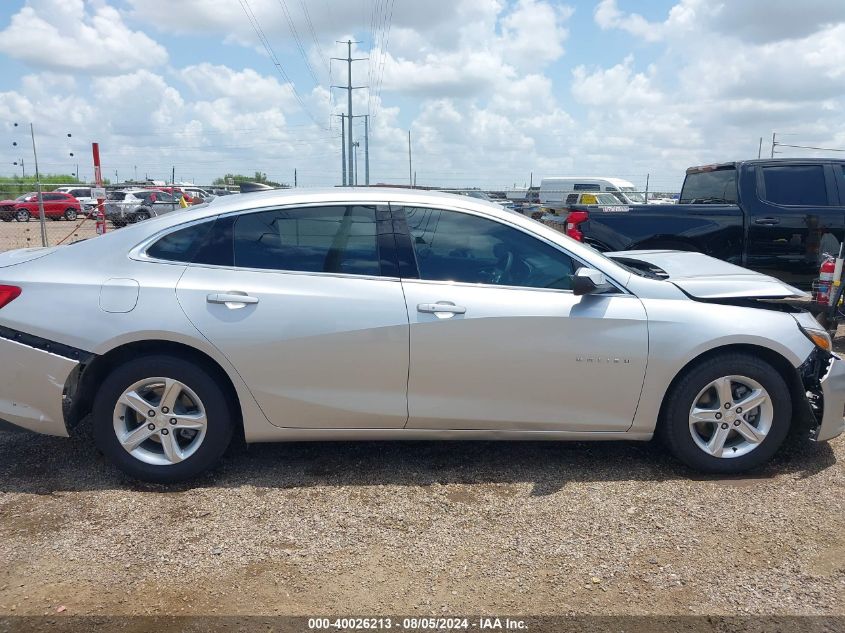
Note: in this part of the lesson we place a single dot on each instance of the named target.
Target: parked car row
(57, 206)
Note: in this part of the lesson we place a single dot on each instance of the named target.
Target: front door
(500, 342)
(305, 313)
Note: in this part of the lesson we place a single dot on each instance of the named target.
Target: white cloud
(63, 35)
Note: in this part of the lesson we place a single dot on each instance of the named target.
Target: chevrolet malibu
(378, 314)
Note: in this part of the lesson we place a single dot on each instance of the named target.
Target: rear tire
(140, 216)
(70, 215)
(188, 433)
(701, 430)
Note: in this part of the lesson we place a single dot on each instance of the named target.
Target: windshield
(24, 197)
(606, 198)
(633, 195)
(717, 186)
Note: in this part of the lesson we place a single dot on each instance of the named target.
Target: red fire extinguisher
(825, 281)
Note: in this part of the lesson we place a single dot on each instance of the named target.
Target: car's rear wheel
(161, 419)
(727, 414)
(70, 215)
(22, 215)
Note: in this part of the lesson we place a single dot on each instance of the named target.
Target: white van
(553, 191)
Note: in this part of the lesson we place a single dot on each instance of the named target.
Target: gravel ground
(428, 528)
(27, 234)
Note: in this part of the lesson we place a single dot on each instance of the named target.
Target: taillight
(572, 221)
(8, 294)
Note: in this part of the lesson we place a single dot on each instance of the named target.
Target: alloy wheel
(731, 416)
(160, 421)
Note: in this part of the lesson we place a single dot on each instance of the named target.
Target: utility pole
(343, 146)
(760, 148)
(41, 213)
(349, 87)
(367, 149)
(410, 163)
(355, 147)
(646, 187)
(295, 183)
(774, 142)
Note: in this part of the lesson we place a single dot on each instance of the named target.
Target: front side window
(795, 185)
(335, 239)
(454, 246)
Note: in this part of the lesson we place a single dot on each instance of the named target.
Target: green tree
(239, 178)
(16, 186)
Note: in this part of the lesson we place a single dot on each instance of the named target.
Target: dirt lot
(369, 528)
(28, 234)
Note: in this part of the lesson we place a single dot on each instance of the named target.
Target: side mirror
(587, 280)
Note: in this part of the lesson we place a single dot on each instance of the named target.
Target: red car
(56, 206)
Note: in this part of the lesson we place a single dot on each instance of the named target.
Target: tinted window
(452, 246)
(182, 244)
(338, 239)
(53, 196)
(801, 185)
(713, 187)
(586, 187)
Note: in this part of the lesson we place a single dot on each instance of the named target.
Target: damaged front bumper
(823, 376)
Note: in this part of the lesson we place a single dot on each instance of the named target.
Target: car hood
(705, 277)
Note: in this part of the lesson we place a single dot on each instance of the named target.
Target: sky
(495, 93)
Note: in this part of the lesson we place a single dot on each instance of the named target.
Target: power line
(383, 56)
(256, 26)
(314, 34)
(298, 41)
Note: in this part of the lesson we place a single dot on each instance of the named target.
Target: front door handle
(441, 307)
(767, 221)
(232, 299)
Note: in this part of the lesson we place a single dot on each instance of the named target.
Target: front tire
(727, 414)
(162, 419)
(22, 215)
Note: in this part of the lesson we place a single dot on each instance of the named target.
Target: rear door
(500, 342)
(795, 219)
(307, 304)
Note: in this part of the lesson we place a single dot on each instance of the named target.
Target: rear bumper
(32, 383)
(833, 399)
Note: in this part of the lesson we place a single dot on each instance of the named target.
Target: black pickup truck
(775, 216)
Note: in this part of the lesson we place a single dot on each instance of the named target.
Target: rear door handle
(441, 307)
(767, 221)
(232, 299)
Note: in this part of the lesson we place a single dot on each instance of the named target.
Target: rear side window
(336, 239)
(586, 187)
(795, 185)
(710, 187)
(181, 245)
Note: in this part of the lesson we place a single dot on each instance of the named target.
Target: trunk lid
(705, 277)
(23, 255)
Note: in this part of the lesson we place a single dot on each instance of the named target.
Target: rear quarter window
(710, 187)
(181, 245)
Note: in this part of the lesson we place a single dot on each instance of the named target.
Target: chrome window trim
(139, 252)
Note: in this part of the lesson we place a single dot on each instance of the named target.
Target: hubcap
(731, 417)
(160, 421)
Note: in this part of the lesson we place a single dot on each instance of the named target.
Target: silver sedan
(378, 314)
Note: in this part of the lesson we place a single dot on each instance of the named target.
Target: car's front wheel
(727, 414)
(22, 215)
(162, 419)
